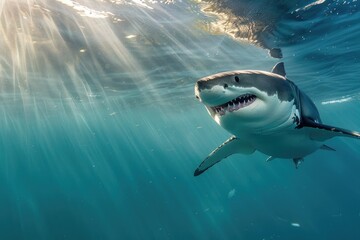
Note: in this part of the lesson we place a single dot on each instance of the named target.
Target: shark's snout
(197, 92)
(200, 86)
(205, 84)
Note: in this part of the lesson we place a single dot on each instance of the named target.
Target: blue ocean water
(101, 132)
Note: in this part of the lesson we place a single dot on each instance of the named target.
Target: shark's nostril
(225, 85)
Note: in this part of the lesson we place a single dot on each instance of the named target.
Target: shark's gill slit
(235, 104)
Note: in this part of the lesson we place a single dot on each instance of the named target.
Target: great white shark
(265, 112)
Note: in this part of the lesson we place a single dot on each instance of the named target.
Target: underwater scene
(102, 131)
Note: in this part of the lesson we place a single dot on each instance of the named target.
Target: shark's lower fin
(297, 162)
(231, 146)
(326, 147)
(270, 158)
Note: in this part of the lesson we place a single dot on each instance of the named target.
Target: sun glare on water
(75, 50)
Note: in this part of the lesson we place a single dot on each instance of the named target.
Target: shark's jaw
(233, 105)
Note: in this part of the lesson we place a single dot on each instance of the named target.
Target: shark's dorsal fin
(231, 146)
(279, 69)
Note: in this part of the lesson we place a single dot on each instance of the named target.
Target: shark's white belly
(288, 144)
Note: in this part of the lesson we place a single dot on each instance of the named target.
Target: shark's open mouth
(235, 104)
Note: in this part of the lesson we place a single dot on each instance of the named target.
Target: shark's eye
(237, 79)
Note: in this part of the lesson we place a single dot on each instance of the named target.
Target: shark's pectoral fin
(231, 146)
(322, 132)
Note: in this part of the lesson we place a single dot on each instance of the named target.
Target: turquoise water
(101, 132)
